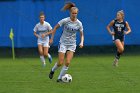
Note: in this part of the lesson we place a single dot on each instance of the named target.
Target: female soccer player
(40, 31)
(68, 39)
(119, 26)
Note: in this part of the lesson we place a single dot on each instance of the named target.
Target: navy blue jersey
(119, 28)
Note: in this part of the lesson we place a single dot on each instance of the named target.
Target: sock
(63, 71)
(118, 55)
(54, 67)
(42, 59)
(49, 55)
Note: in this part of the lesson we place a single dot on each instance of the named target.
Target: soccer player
(119, 26)
(67, 45)
(40, 31)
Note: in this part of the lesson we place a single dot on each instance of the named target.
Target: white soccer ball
(67, 78)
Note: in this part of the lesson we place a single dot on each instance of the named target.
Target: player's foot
(51, 74)
(115, 63)
(44, 64)
(59, 80)
(50, 58)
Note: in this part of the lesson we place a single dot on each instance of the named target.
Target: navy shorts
(121, 38)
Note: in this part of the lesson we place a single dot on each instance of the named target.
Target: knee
(67, 62)
(60, 63)
(46, 54)
(41, 53)
(121, 50)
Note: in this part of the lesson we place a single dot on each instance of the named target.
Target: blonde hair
(122, 13)
(69, 6)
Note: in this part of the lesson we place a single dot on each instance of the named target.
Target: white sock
(54, 67)
(49, 55)
(63, 71)
(42, 59)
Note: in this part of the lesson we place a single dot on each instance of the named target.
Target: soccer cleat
(59, 80)
(51, 74)
(50, 58)
(115, 63)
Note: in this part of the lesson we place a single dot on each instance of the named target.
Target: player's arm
(54, 31)
(36, 34)
(82, 39)
(128, 28)
(109, 26)
(35, 30)
(50, 34)
(47, 33)
(60, 23)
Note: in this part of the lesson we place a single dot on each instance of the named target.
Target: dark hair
(68, 6)
(41, 14)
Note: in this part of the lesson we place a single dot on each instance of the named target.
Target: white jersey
(40, 29)
(69, 30)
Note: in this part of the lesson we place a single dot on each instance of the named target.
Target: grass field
(91, 74)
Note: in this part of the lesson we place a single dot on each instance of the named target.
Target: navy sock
(118, 55)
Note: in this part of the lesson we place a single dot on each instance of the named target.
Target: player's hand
(125, 32)
(37, 36)
(50, 41)
(43, 35)
(81, 45)
(112, 33)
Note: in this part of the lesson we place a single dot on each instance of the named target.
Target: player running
(40, 31)
(119, 26)
(67, 45)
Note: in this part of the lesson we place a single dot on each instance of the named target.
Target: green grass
(91, 74)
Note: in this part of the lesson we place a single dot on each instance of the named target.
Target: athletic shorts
(64, 48)
(121, 38)
(43, 42)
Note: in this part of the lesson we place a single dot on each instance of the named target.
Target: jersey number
(119, 29)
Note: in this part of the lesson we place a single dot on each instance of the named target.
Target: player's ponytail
(68, 6)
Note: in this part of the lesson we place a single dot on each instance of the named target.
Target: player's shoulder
(38, 24)
(126, 21)
(46, 23)
(79, 22)
(114, 20)
(66, 19)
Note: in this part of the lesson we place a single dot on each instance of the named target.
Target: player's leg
(46, 54)
(120, 49)
(40, 49)
(123, 44)
(46, 50)
(69, 56)
(57, 64)
(61, 56)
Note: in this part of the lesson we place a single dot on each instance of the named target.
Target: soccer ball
(67, 78)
